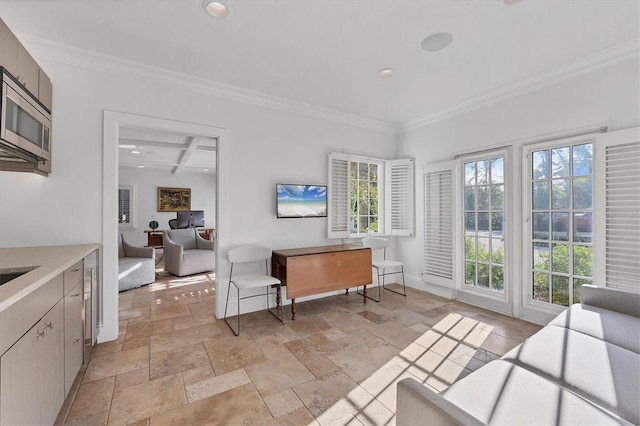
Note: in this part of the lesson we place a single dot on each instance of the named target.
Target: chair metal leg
(225, 310)
(404, 288)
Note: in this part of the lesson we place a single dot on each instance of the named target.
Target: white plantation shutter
(400, 205)
(439, 223)
(338, 199)
(617, 206)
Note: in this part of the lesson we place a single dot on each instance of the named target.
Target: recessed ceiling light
(437, 41)
(126, 146)
(215, 8)
(135, 152)
(385, 72)
(205, 170)
(141, 167)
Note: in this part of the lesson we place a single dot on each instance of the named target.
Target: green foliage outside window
(490, 272)
(364, 197)
(545, 280)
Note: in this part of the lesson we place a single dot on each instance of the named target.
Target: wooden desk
(154, 237)
(313, 270)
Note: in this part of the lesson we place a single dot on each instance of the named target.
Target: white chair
(246, 255)
(383, 266)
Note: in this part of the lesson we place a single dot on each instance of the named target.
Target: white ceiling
(159, 150)
(325, 53)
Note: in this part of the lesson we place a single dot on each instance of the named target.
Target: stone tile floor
(338, 363)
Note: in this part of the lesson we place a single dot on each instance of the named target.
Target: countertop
(48, 261)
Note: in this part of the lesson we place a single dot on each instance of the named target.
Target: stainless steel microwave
(25, 128)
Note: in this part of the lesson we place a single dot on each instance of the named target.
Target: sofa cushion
(502, 392)
(610, 326)
(602, 372)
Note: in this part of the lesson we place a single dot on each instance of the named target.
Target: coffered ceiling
(175, 153)
(323, 55)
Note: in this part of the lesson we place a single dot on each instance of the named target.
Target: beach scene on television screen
(302, 201)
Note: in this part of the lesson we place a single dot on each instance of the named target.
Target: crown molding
(69, 55)
(602, 59)
(82, 58)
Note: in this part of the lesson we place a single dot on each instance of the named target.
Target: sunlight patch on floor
(428, 359)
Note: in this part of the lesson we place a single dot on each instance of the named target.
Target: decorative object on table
(174, 199)
(153, 225)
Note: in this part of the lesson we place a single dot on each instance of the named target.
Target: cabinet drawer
(73, 315)
(19, 317)
(72, 276)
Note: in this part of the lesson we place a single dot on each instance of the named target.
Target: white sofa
(136, 265)
(582, 368)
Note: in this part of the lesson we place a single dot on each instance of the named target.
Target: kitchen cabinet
(42, 346)
(45, 90)
(8, 49)
(21, 65)
(28, 71)
(31, 377)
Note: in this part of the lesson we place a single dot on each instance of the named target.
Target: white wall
(147, 181)
(264, 146)
(610, 95)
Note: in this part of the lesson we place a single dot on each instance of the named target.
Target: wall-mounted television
(190, 219)
(301, 200)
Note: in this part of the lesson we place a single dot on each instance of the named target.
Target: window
(369, 196)
(484, 214)
(126, 202)
(364, 197)
(560, 190)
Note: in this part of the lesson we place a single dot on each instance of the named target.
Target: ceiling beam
(192, 145)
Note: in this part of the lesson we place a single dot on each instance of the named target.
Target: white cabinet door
(31, 373)
(20, 380)
(51, 352)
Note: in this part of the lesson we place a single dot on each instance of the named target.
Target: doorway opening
(173, 148)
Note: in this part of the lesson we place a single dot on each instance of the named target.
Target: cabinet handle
(76, 341)
(75, 295)
(49, 325)
(41, 334)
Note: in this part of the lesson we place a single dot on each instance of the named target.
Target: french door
(485, 237)
(558, 235)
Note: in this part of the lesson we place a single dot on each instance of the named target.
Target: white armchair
(187, 253)
(136, 265)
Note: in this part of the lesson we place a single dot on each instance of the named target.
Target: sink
(9, 274)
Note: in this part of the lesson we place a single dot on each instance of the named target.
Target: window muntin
(365, 197)
(484, 211)
(561, 183)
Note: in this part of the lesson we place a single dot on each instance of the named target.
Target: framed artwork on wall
(174, 199)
